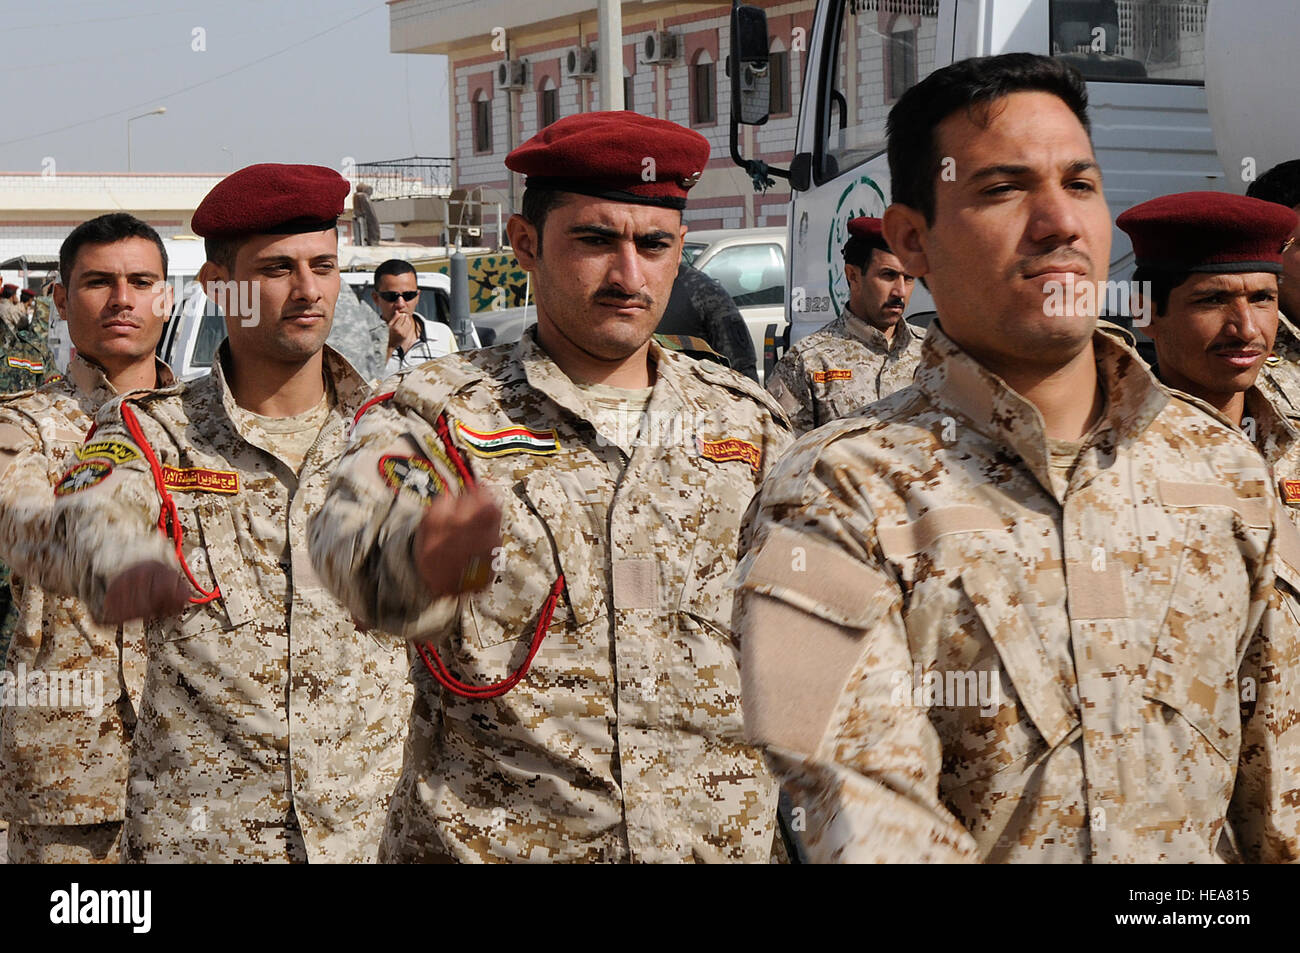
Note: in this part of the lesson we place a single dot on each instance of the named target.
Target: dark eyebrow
(113, 274)
(989, 171)
(603, 232)
(289, 260)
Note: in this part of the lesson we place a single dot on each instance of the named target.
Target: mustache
(1056, 256)
(610, 293)
(894, 303)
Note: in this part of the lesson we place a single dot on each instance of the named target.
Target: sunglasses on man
(391, 296)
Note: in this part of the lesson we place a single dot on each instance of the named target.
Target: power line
(153, 100)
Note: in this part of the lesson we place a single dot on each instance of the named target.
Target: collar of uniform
(350, 389)
(89, 378)
(1276, 438)
(545, 376)
(874, 337)
(1288, 335)
(954, 380)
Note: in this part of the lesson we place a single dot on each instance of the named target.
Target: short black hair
(1280, 184)
(393, 267)
(858, 250)
(537, 204)
(914, 160)
(105, 230)
(1162, 284)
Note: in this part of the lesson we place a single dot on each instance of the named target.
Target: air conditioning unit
(512, 74)
(660, 47)
(580, 61)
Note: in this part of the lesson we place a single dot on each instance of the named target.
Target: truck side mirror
(750, 79)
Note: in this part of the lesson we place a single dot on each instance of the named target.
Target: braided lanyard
(169, 521)
(428, 654)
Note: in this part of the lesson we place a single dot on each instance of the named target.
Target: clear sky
(243, 81)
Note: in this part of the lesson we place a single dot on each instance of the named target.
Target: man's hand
(401, 330)
(455, 542)
(148, 590)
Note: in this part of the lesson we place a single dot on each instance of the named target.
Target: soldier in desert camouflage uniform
(1279, 378)
(1023, 610)
(63, 767)
(617, 534)
(867, 353)
(271, 726)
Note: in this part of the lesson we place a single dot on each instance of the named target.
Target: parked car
(750, 264)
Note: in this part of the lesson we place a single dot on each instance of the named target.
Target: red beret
(1208, 232)
(868, 228)
(271, 199)
(9, 289)
(605, 154)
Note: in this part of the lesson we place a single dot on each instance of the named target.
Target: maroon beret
(9, 289)
(868, 228)
(272, 199)
(618, 155)
(1208, 232)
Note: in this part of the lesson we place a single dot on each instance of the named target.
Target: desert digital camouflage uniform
(63, 763)
(25, 359)
(624, 741)
(267, 711)
(1279, 378)
(1119, 592)
(841, 367)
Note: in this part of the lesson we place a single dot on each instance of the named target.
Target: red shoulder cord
(434, 664)
(169, 521)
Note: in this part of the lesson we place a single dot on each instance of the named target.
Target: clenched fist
(455, 541)
(147, 590)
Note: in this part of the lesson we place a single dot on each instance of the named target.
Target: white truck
(1184, 95)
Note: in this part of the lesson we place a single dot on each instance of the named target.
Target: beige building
(516, 67)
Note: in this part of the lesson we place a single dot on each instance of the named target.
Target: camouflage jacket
(1279, 379)
(949, 659)
(842, 367)
(267, 709)
(63, 750)
(623, 742)
(25, 359)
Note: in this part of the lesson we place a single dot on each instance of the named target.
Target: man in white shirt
(411, 340)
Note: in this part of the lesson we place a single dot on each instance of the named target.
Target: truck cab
(1145, 62)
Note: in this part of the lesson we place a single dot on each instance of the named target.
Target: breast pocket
(544, 534)
(212, 552)
(1193, 668)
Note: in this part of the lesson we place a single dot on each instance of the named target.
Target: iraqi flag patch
(730, 448)
(36, 367)
(1290, 491)
(498, 443)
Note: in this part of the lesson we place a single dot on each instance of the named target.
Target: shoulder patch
(1290, 490)
(730, 448)
(832, 374)
(83, 476)
(200, 479)
(497, 443)
(413, 474)
(108, 449)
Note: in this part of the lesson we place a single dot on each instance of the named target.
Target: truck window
(212, 331)
(883, 49)
(751, 274)
(1144, 41)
